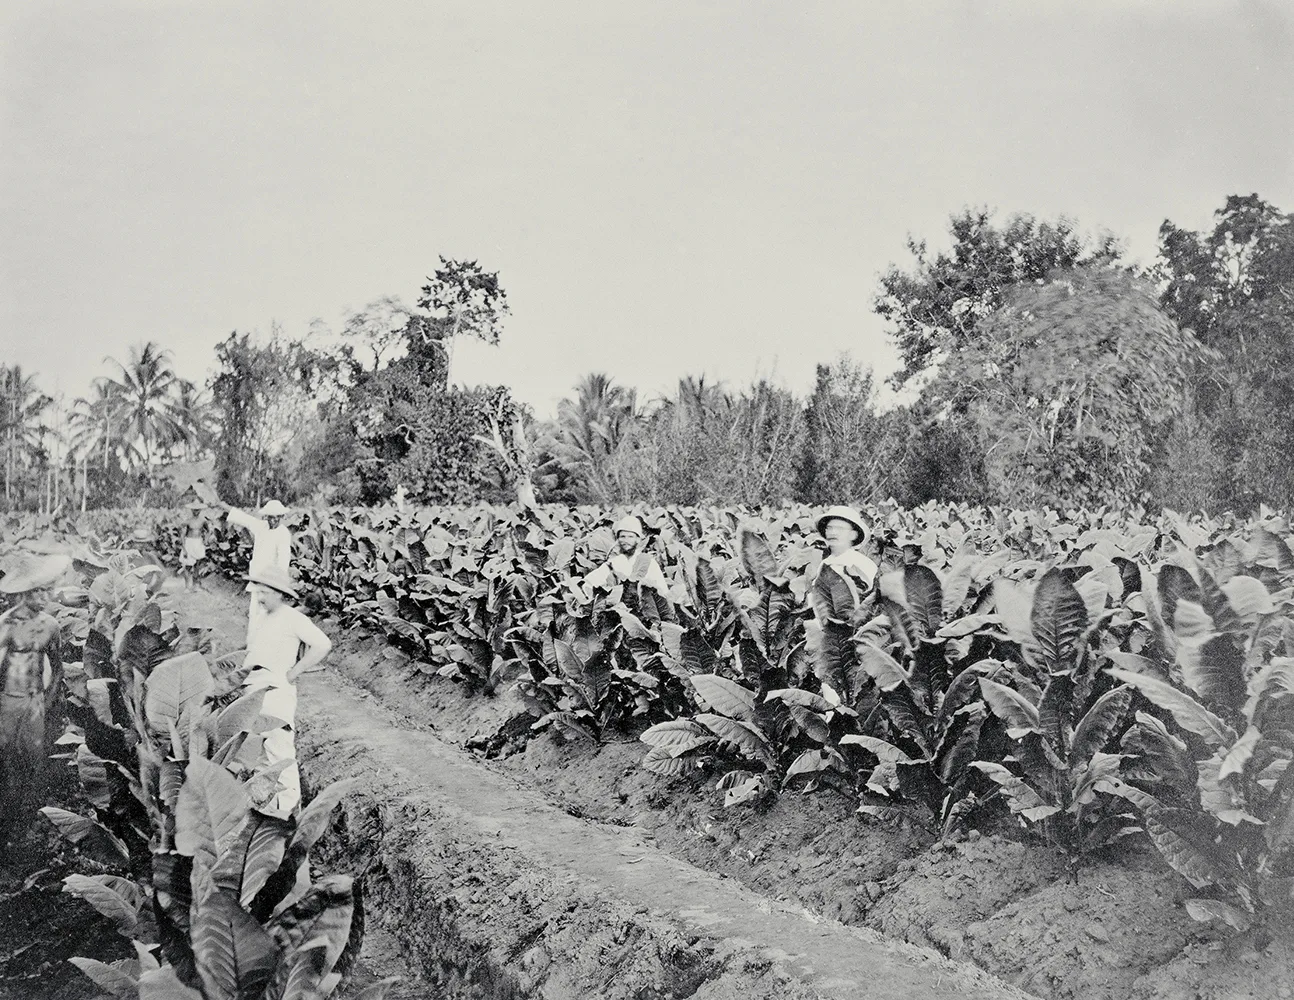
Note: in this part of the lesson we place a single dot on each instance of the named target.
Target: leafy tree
(418, 435)
(1066, 386)
(936, 308)
(844, 454)
(462, 299)
(375, 335)
(1234, 286)
(24, 412)
(930, 452)
(268, 397)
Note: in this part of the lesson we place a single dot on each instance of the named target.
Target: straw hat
(628, 523)
(273, 509)
(34, 572)
(275, 579)
(849, 515)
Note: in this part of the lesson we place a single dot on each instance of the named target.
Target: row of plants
(215, 896)
(1091, 676)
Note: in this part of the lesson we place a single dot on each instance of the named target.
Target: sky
(664, 188)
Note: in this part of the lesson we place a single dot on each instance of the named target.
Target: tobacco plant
(217, 896)
(1218, 796)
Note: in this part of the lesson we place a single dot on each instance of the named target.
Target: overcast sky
(664, 188)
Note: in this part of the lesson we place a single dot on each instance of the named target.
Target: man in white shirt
(271, 548)
(626, 564)
(275, 654)
(846, 532)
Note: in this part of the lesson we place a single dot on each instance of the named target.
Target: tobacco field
(1083, 679)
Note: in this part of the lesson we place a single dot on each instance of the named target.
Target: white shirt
(619, 568)
(276, 643)
(854, 568)
(271, 547)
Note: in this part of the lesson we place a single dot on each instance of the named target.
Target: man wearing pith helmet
(271, 548)
(275, 654)
(619, 568)
(31, 674)
(846, 532)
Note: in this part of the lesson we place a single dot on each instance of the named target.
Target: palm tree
(147, 389)
(98, 422)
(195, 416)
(22, 427)
(591, 429)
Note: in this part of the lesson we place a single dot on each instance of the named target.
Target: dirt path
(498, 893)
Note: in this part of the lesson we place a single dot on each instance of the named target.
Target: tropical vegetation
(1038, 367)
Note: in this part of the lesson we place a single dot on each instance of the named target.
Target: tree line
(1038, 367)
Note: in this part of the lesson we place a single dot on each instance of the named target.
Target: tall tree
(268, 398)
(589, 432)
(1067, 385)
(1234, 286)
(146, 386)
(462, 300)
(844, 457)
(380, 332)
(98, 423)
(935, 308)
(23, 427)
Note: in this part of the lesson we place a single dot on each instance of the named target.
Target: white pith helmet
(850, 516)
(628, 523)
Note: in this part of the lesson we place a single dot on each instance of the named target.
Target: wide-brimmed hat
(628, 523)
(273, 508)
(849, 515)
(275, 579)
(142, 534)
(47, 544)
(34, 572)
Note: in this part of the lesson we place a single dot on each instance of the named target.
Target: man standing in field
(31, 677)
(626, 564)
(846, 532)
(271, 548)
(275, 653)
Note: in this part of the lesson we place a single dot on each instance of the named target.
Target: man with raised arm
(271, 548)
(285, 645)
(31, 675)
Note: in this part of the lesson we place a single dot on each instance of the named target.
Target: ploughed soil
(1108, 927)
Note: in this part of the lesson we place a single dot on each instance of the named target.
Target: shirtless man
(193, 548)
(31, 676)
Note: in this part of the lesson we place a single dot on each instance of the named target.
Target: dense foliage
(1092, 675)
(1037, 367)
(217, 897)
